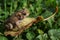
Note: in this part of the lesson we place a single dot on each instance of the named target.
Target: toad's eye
(20, 17)
(24, 13)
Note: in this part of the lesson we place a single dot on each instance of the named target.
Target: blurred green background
(47, 30)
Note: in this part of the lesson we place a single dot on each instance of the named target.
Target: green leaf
(3, 38)
(30, 35)
(42, 37)
(45, 36)
(54, 34)
(58, 21)
(50, 21)
(15, 5)
(40, 31)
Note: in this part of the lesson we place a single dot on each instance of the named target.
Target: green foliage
(54, 34)
(3, 38)
(40, 31)
(30, 35)
(46, 30)
(42, 37)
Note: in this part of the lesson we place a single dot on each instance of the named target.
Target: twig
(53, 14)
